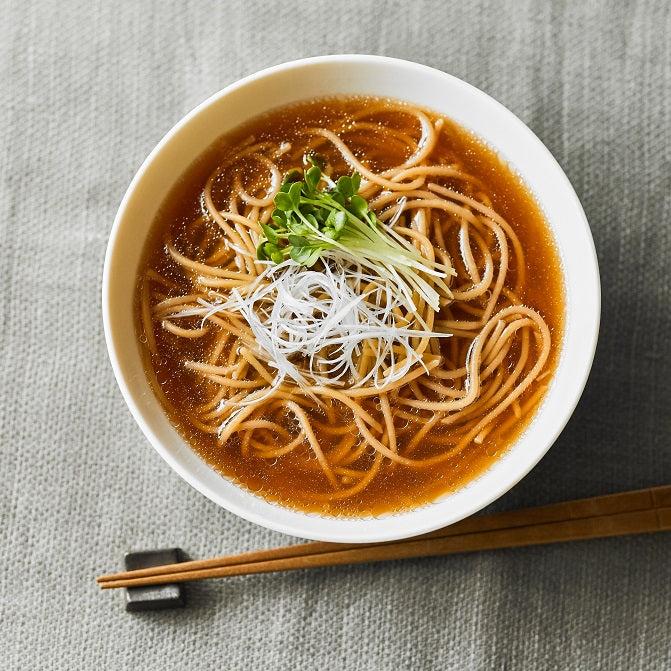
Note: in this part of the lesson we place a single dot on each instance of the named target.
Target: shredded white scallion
(310, 325)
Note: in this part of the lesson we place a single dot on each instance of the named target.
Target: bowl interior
(381, 77)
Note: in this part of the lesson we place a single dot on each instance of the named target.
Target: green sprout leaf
(295, 194)
(356, 182)
(313, 257)
(345, 187)
(279, 217)
(306, 256)
(312, 178)
(284, 202)
(298, 241)
(270, 233)
(358, 206)
(340, 220)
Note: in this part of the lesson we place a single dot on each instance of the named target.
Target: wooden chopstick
(639, 511)
(600, 505)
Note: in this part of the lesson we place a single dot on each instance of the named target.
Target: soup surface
(355, 446)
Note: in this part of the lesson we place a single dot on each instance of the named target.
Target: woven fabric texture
(86, 91)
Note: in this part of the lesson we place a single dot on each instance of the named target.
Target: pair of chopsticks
(635, 512)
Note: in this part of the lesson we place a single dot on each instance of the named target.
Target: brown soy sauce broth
(295, 480)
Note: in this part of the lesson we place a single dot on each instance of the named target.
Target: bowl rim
(336, 529)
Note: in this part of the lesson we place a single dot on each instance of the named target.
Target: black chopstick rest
(153, 597)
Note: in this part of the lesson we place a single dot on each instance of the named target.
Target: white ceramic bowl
(351, 75)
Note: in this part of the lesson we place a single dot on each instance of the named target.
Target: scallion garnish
(309, 222)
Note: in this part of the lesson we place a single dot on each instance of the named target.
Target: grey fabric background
(86, 91)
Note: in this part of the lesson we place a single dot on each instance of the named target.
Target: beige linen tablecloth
(87, 90)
